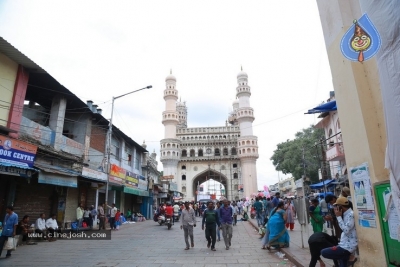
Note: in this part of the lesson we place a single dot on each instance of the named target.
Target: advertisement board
(16, 152)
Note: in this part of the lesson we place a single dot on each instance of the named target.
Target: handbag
(11, 243)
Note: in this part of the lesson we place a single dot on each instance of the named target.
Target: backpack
(211, 216)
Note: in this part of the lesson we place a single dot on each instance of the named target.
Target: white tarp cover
(385, 15)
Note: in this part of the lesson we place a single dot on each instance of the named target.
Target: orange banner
(117, 171)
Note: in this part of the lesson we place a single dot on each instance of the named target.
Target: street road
(148, 244)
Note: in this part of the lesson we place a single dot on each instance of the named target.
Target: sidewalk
(295, 253)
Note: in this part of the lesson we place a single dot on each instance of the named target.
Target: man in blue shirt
(9, 228)
(275, 201)
(225, 215)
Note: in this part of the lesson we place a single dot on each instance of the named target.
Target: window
(184, 153)
(216, 152)
(225, 152)
(129, 157)
(235, 175)
(183, 177)
(137, 160)
(183, 167)
(234, 165)
(200, 152)
(235, 187)
(183, 189)
(233, 151)
(115, 148)
(192, 154)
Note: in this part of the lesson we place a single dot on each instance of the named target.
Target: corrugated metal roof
(13, 53)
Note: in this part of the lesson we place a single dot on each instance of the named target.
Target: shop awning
(330, 106)
(57, 169)
(135, 191)
(321, 184)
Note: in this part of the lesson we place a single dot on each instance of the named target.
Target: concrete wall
(359, 102)
(8, 75)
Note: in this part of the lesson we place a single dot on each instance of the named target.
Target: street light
(109, 141)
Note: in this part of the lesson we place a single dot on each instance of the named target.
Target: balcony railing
(335, 153)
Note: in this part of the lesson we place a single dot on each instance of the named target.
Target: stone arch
(206, 175)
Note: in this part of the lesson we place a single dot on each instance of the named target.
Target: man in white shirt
(79, 215)
(348, 240)
(113, 211)
(52, 226)
(176, 211)
(188, 221)
(40, 225)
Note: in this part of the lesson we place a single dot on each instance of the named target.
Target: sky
(100, 49)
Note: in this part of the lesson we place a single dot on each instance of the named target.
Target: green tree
(288, 157)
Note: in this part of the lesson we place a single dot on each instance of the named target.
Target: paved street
(148, 244)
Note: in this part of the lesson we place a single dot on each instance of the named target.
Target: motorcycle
(176, 216)
(168, 222)
(253, 213)
(161, 219)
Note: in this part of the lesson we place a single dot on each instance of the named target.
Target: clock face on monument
(208, 151)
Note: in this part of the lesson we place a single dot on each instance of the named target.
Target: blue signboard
(16, 153)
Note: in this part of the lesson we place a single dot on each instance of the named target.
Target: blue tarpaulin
(321, 184)
(330, 106)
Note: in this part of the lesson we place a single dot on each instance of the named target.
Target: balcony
(335, 153)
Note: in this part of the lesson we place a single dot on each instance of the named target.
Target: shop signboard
(173, 186)
(116, 180)
(117, 171)
(15, 171)
(17, 153)
(131, 180)
(167, 177)
(57, 179)
(87, 172)
(142, 183)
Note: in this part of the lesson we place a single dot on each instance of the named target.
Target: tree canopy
(288, 157)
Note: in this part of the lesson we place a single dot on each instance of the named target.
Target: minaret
(182, 113)
(247, 142)
(170, 145)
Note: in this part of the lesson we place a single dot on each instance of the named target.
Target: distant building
(226, 154)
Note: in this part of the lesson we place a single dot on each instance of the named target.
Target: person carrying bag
(8, 239)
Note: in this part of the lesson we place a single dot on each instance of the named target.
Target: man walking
(226, 214)
(258, 206)
(210, 219)
(102, 218)
(9, 228)
(218, 230)
(188, 221)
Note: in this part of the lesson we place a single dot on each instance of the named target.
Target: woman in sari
(317, 221)
(278, 236)
(290, 214)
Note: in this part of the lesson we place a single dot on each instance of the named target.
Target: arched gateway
(226, 154)
(208, 175)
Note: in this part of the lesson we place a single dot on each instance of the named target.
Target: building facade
(65, 142)
(360, 91)
(225, 154)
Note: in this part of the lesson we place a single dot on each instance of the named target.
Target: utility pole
(110, 128)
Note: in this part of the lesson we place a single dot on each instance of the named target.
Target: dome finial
(241, 67)
(170, 71)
